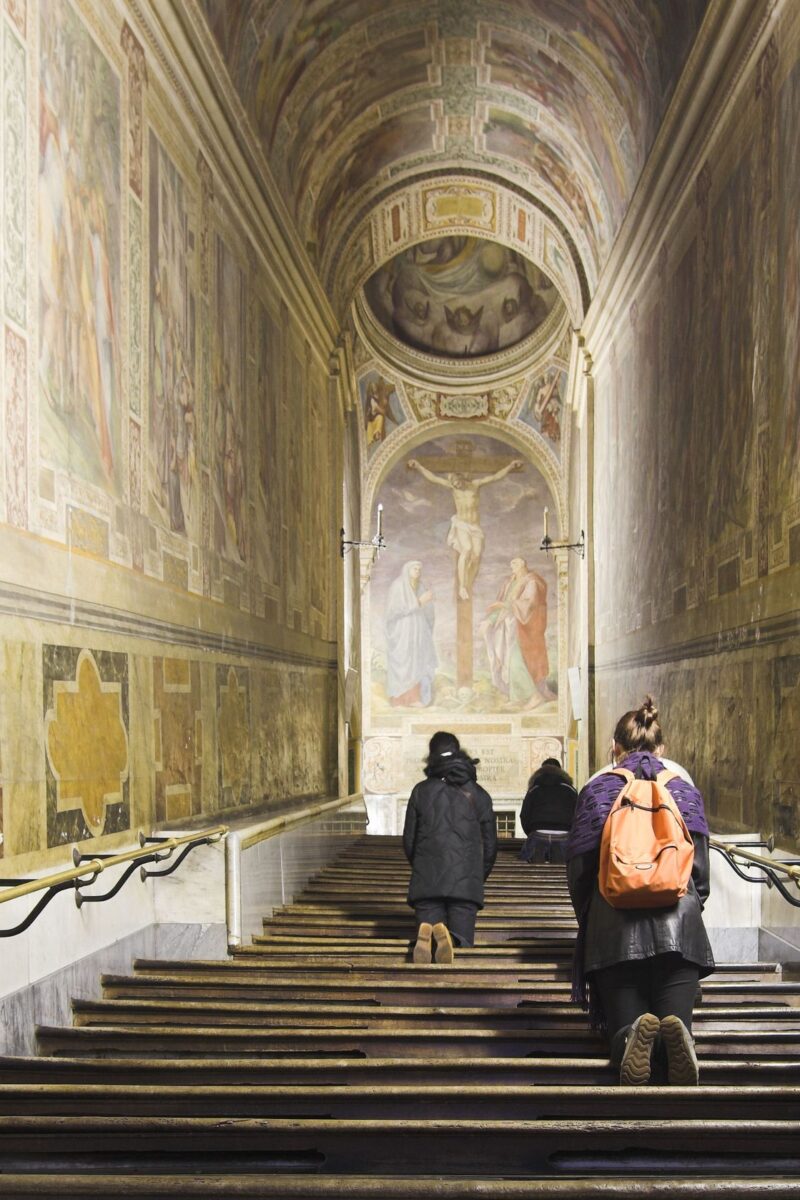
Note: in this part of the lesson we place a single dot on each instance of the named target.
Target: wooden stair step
(682, 1147)
(314, 1072)
(239, 1012)
(349, 1038)
(213, 1185)
(499, 1102)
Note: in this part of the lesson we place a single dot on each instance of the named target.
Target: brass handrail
(95, 866)
(790, 869)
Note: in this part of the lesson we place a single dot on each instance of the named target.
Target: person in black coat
(450, 839)
(547, 812)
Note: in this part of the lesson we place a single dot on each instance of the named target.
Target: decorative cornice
(32, 604)
(754, 636)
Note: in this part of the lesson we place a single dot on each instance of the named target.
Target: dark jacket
(615, 935)
(549, 802)
(450, 833)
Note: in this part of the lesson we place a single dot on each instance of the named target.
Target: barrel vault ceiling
(559, 99)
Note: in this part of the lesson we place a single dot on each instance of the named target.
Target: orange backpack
(646, 851)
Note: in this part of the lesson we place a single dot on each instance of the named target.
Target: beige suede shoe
(422, 946)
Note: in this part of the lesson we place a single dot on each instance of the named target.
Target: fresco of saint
(79, 219)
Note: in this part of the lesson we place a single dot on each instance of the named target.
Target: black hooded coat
(450, 833)
(549, 802)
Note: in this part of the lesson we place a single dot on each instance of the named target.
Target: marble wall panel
(177, 739)
(233, 732)
(272, 734)
(86, 735)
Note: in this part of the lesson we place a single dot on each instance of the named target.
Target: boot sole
(636, 1062)
(422, 948)
(682, 1069)
(444, 949)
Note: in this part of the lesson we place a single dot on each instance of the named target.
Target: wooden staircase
(320, 1062)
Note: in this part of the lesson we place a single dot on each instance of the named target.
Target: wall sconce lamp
(547, 544)
(378, 542)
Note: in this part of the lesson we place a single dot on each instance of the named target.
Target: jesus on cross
(465, 535)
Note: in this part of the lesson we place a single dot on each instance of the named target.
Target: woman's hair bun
(647, 712)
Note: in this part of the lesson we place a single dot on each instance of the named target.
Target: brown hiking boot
(422, 946)
(444, 943)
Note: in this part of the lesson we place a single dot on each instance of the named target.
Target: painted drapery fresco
(228, 417)
(463, 519)
(267, 539)
(544, 406)
(79, 221)
(786, 420)
(381, 407)
(173, 453)
(460, 297)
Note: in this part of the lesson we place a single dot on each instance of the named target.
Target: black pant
(544, 847)
(457, 915)
(665, 985)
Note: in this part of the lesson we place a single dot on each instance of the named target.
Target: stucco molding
(370, 239)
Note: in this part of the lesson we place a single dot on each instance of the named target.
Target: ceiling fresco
(460, 297)
(559, 97)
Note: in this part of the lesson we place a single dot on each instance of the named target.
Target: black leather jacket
(614, 935)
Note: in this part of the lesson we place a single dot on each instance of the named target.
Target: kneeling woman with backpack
(638, 873)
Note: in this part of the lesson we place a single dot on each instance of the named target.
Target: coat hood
(548, 774)
(453, 766)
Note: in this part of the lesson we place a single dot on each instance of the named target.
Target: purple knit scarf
(597, 798)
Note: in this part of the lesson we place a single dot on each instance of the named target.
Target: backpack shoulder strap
(664, 777)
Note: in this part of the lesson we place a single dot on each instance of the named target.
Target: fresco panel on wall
(463, 519)
(79, 230)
